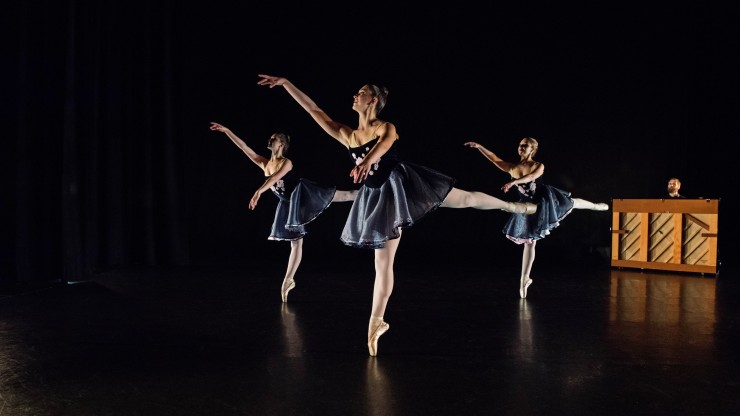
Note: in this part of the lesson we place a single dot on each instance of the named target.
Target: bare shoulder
(387, 129)
(344, 135)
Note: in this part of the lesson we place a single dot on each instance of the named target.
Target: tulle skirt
(552, 206)
(307, 201)
(408, 195)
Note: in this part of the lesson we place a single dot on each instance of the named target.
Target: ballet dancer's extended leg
(294, 260)
(579, 203)
(344, 196)
(382, 290)
(527, 261)
(457, 198)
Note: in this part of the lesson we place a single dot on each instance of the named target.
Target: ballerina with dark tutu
(300, 200)
(394, 195)
(553, 204)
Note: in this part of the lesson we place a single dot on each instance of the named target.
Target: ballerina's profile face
(524, 148)
(527, 148)
(275, 143)
(362, 99)
(272, 143)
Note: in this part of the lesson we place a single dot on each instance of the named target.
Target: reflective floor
(216, 340)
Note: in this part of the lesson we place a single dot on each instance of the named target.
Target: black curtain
(98, 169)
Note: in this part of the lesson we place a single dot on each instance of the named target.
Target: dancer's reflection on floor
(525, 348)
(378, 390)
(291, 332)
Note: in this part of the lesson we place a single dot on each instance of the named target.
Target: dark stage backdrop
(111, 163)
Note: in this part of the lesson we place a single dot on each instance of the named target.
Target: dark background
(109, 162)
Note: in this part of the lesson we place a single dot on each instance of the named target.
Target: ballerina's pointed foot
(525, 208)
(523, 289)
(287, 287)
(601, 206)
(372, 340)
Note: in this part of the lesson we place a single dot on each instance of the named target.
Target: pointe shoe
(372, 339)
(523, 290)
(601, 207)
(285, 289)
(525, 208)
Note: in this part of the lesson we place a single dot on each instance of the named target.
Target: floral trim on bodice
(358, 159)
(527, 189)
(279, 187)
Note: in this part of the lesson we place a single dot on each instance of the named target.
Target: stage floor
(217, 340)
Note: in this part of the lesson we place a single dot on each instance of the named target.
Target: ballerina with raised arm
(394, 195)
(300, 200)
(553, 204)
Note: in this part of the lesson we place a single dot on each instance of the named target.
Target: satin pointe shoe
(285, 289)
(378, 328)
(525, 208)
(523, 290)
(601, 207)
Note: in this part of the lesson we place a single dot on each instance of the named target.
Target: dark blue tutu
(298, 207)
(553, 205)
(408, 194)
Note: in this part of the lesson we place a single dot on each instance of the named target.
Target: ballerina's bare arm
(492, 157)
(255, 157)
(271, 180)
(337, 130)
(539, 170)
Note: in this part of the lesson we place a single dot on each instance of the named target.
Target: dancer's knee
(457, 198)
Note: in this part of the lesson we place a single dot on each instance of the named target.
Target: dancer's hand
(271, 81)
(360, 172)
(218, 127)
(507, 186)
(253, 201)
(474, 145)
